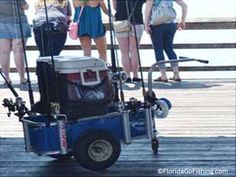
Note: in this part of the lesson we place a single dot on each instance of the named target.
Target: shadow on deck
(185, 156)
(185, 84)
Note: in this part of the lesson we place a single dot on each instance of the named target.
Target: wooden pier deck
(197, 138)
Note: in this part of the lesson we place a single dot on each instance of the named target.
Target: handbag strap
(127, 7)
(80, 13)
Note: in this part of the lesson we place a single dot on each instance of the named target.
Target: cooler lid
(74, 64)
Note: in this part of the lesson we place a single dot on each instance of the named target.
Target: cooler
(81, 84)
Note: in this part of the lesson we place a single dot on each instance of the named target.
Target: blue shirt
(90, 22)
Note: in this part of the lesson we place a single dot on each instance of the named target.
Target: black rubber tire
(94, 145)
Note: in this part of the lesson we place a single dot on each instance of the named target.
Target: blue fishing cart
(80, 117)
(93, 139)
(80, 114)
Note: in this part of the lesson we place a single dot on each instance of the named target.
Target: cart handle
(193, 59)
(182, 59)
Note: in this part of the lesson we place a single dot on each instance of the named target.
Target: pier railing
(199, 24)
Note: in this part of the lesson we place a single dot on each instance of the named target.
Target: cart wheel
(163, 110)
(155, 145)
(167, 102)
(61, 157)
(97, 150)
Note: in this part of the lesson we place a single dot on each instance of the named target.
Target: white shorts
(139, 31)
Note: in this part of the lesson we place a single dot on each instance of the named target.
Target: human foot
(24, 81)
(136, 79)
(177, 79)
(160, 79)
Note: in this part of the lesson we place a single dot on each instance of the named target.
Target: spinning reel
(18, 105)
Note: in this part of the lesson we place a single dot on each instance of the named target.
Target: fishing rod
(138, 53)
(31, 97)
(113, 59)
(9, 85)
(19, 104)
(120, 77)
(49, 30)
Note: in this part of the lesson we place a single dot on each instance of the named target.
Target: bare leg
(5, 50)
(125, 58)
(163, 74)
(102, 47)
(176, 73)
(17, 49)
(86, 44)
(134, 56)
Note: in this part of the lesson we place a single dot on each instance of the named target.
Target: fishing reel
(119, 76)
(18, 105)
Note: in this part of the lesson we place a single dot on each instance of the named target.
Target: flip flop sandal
(175, 79)
(159, 79)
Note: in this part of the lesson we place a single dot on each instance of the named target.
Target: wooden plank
(136, 159)
(119, 164)
(181, 68)
(197, 104)
(210, 25)
(202, 24)
(199, 133)
(149, 46)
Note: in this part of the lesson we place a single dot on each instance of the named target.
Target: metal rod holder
(126, 127)
(62, 135)
(26, 137)
(149, 124)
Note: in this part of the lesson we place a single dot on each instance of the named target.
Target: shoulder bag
(124, 25)
(163, 13)
(74, 27)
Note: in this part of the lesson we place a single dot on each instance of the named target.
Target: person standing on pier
(88, 12)
(10, 36)
(127, 41)
(162, 36)
(59, 16)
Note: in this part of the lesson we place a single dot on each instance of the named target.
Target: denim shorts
(12, 30)
(139, 32)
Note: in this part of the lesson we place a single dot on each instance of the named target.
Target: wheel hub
(100, 150)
